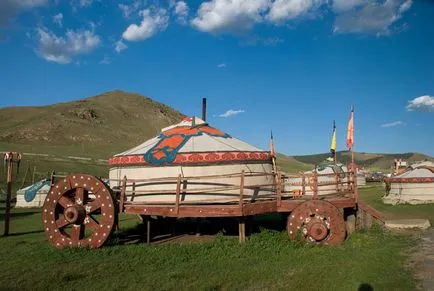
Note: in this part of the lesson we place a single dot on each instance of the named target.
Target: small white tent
(414, 186)
(33, 195)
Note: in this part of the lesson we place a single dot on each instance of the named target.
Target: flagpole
(334, 129)
(356, 188)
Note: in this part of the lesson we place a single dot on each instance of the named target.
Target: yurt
(33, 195)
(328, 172)
(193, 149)
(414, 186)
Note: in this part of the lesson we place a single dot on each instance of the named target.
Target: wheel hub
(317, 230)
(75, 214)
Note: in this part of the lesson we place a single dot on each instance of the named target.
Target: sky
(290, 66)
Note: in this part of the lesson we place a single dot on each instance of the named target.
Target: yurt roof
(194, 139)
(329, 166)
(420, 172)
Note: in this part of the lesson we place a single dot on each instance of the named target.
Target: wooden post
(133, 194)
(356, 188)
(8, 196)
(123, 194)
(337, 182)
(148, 230)
(241, 202)
(279, 189)
(178, 190)
(241, 222)
(303, 184)
(242, 229)
(315, 184)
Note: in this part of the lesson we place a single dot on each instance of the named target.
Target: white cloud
(129, 10)
(9, 9)
(393, 124)
(422, 103)
(85, 3)
(62, 49)
(152, 22)
(371, 17)
(345, 5)
(222, 65)
(282, 10)
(181, 11)
(58, 19)
(219, 16)
(105, 61)
(120, 46)
(231, 112)
(77, 4)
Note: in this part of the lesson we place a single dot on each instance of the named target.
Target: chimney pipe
(204, 109)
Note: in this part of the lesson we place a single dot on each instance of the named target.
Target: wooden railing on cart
(310, 187)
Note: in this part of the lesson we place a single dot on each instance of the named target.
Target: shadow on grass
(17, 214)
(25, 233)
(168, 229)
(365, 287)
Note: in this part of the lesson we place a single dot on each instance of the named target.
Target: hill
(54, 137)
(94, 127)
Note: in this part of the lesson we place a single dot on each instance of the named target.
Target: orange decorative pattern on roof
(197, 158)
(410, 180)
(173, 139)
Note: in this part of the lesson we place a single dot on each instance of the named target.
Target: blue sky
(292, 66)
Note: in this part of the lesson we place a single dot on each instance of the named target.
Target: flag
(350, 133)
(333, 144)
(272, 153)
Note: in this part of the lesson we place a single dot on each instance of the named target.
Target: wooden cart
(82, 210)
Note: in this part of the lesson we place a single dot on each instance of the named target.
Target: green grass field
(372, 195)
(267, 261)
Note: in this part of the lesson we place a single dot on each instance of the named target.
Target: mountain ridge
(108, 123)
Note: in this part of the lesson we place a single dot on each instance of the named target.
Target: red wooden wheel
(317, 222)
(78, 211)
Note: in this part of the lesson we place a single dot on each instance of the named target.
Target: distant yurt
(33, 195)
(414, 186)
(328, 173)
(192, 148)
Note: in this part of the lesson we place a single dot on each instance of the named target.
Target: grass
(267, 261)
(372, 196)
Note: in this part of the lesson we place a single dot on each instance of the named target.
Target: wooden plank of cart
(81, 210)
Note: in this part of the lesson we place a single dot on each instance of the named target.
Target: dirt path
(423, 260)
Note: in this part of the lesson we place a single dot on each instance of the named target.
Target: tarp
(31, 191)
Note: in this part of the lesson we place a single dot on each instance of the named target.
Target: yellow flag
(333, 144)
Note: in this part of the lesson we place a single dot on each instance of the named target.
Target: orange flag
(350, 133)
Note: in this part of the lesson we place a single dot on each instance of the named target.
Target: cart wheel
(317, 222)
(78, 212)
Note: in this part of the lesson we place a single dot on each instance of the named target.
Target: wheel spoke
(65, 201)
(77, 232)
(81, 195)
(92, 224)
(62, 222)
(92, 206)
